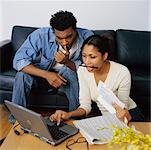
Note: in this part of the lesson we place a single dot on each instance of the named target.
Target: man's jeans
(25, 82)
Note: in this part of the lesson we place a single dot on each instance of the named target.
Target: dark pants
(136, 115)
(25, 82)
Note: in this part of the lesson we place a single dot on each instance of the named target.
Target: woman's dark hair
(100, 42)
(63, 20)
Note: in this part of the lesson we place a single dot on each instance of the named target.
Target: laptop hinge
(46, 140)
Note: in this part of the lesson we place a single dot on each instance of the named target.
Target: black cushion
(134, 48)
(140, 83)
(47, 99)
(6, 52)
(134, 52)
(19, 34)
(7, 79)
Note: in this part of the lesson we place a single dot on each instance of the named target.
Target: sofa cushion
(134, 48)
(5, 94)
(134, 52)
(19, 34)
(45, 99)
(7, 79)
(6, 51)
(140, 83)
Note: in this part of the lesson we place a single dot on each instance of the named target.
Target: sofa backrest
(134, 49)
(19, 34)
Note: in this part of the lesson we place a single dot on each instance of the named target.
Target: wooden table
(29, 142)
(5, 126)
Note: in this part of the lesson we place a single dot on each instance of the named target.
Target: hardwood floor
(5, 126)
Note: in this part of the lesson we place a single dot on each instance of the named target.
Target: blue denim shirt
(40, 47)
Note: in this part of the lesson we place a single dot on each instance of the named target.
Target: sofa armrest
(6, 55)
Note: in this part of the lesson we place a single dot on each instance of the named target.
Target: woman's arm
(123, 92)
(60, 115)
(84, 99)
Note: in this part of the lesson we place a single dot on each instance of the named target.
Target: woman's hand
(122, 113)
(60, 115)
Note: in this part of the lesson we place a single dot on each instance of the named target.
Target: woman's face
(93, 58)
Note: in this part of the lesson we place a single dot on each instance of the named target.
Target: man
(51, 54)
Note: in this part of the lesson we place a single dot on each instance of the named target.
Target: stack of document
(98, 130)
(107, 98)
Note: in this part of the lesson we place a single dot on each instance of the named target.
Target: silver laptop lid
(29, 120)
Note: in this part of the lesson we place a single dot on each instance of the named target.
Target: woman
(97, 68)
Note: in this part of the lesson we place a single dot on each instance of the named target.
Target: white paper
(107, 98)
(98, 130)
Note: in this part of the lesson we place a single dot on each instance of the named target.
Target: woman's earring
(105, 56)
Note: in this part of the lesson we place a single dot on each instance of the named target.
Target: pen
(58, 123)
(125, 120)
(63, 51)
(83, 65)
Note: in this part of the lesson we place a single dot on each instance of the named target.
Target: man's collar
(80, 38)
(52, 37)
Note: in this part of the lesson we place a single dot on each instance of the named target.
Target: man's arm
(32, 70)
(70, 65)
(53, 78)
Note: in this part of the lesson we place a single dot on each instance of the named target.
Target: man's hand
(60, 115)
(121, 113)
(62, 56)
(55, 79)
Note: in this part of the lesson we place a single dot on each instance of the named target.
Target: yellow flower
(129, 137)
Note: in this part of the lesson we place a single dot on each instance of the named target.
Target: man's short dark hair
(63, 20)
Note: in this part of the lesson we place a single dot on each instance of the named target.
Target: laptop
(43, 128)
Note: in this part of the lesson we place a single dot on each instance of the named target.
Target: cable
(2, 140)
(17, 132)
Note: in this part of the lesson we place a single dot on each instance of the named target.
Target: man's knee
(70, 75)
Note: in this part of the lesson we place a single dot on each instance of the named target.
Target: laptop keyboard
(56, 133)
(61, 124)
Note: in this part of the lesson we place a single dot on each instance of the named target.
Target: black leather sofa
(130, 48)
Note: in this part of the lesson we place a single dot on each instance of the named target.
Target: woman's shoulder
(119, 68)
(118, 65)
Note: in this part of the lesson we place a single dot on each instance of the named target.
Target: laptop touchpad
(68, 129)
